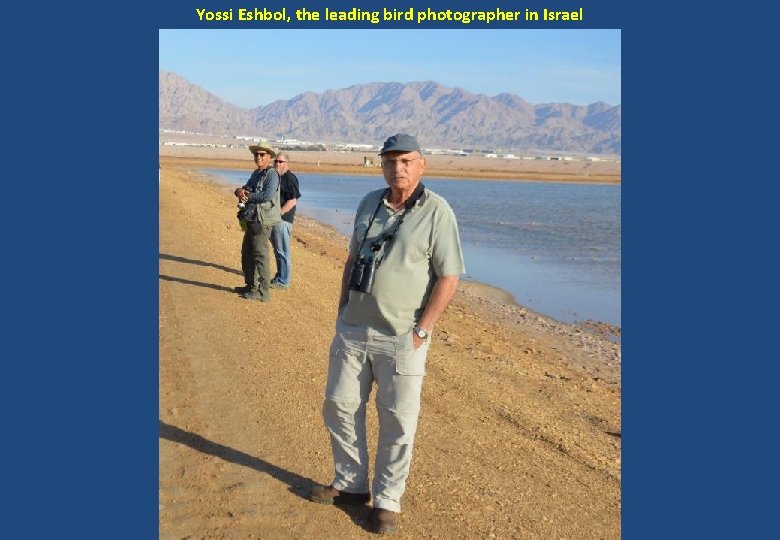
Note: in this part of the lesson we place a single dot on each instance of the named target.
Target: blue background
(80, 214)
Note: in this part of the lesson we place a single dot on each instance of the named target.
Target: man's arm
(288, 185)
(441, 294)
(344, 296)
(286, 207)
(243, 192)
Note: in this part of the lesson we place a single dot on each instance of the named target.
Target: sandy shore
(520, 432)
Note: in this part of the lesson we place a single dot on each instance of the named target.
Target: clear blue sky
(250, 68)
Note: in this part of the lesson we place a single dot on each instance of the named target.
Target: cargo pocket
(336, 359)
(408, 360)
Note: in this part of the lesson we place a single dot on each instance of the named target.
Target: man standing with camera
(258, 201)
(404, 263)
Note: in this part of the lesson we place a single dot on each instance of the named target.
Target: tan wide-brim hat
(264, 146)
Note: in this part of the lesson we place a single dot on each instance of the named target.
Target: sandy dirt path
(519, 435)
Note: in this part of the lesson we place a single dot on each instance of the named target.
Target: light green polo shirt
(426, 245)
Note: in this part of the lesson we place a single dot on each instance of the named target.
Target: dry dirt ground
(519, 434)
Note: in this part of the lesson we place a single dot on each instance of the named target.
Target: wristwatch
(422, 334)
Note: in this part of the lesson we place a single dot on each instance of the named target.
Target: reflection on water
(555, 247)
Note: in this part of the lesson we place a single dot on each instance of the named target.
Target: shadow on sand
(196, 283)
(296, 484)
(176, 258)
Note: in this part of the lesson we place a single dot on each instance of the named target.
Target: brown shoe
(384, 521)
(331, 495)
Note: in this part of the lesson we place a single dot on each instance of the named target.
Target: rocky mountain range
(440, 116)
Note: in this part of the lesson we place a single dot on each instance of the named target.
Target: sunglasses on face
(261, 154)
(279, 161)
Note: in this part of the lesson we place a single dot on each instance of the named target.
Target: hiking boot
(277, 285)
(331, 495)
(256, 295)
(384, 521)
(242, 290)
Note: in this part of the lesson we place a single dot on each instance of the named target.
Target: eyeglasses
(404, 162)
(279, 161)
(261, 154)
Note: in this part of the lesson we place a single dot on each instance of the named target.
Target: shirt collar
(420, 201)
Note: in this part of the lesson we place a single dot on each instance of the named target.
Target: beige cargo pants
(360, 356)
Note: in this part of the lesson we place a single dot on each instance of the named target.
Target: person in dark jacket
(289, 194)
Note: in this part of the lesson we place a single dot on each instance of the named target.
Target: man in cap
(403, 268)
(260, 200)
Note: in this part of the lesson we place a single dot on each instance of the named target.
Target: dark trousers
(254, 257)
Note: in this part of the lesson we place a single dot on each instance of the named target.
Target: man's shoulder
(290, 178)
(436, 200)
(266, 174)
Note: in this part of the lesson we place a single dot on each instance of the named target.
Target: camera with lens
(362, 276)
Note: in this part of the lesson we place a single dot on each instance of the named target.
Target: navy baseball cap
(400, 142)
